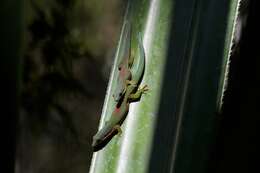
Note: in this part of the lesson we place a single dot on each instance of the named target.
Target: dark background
(237, 147)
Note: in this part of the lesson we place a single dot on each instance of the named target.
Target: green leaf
(187, 45)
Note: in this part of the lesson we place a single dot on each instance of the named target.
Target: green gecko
(132, 93)
(124, 73)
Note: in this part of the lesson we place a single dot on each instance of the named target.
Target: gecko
(124, 72)
(132, 93)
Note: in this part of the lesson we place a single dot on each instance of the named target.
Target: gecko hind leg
(138, 94)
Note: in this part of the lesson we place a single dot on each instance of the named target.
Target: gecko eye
(119, 68)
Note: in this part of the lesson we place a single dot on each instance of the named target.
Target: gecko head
(100, 139)
(96, 142)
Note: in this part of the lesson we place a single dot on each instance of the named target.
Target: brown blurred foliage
(69, 50)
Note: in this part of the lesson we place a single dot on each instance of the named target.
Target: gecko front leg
(118, 128)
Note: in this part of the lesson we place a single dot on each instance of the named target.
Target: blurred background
(69, 48)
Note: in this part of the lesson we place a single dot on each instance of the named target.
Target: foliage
(48, 65)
